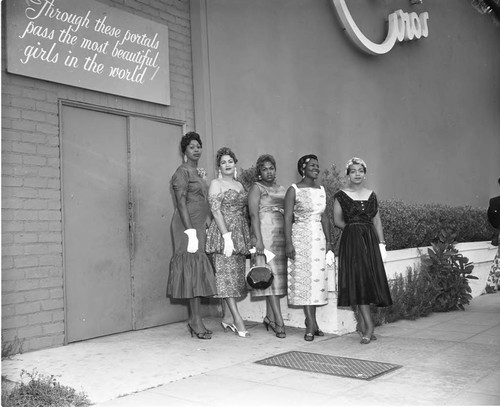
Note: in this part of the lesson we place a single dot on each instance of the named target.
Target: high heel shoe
(372, 337)
(365, 340)
(199, 335)
(268, 323)
(280, 331)
(242, 334)
(228, 326)
(317, 332)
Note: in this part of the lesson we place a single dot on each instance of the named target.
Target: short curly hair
(187, 138)
(301, 164)
(225, 151)
(264, 158)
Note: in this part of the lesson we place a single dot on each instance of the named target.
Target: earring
(185, 158)
(220, 174)
(259, 177)
(235, 173)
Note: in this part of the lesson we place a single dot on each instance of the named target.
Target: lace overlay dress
(230, 271)
(362, 278)
(307, 275)
(191, 274)
(271, 228)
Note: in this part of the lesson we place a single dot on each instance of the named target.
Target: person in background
(266, 206)
(308, 251)
(362, 278)
(493, 282)
(228, 238)
(191, 273)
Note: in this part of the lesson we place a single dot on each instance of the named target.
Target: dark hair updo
(301, 164)
(187, 138)
(264, 158)
(225, 151)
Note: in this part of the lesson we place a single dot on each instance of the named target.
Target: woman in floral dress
(228, 238)
(307, 249)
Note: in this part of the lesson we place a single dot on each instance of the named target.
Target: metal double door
(117, 209)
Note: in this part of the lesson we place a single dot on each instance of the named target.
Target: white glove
(383, 252)
(330, 258)
(228, 244)
(192, 240)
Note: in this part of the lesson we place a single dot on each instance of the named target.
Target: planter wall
(341, 320)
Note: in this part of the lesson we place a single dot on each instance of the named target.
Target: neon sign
(402, 27)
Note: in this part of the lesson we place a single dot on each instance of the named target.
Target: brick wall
(32, 273)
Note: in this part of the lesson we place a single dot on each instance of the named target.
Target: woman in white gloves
(228, 238)
(191, 273)
(362, 278)
(307, 248)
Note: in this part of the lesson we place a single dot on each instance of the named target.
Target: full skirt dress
(191, 274)
(362, 277)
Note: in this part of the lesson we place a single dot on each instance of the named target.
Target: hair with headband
(301, 164)
(225, 151)
(354, 161)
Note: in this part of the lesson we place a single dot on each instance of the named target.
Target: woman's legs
(194, 315)
(233, 308)
(366, 317)
(273, 310)
(310, 311)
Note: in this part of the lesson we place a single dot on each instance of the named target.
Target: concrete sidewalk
(447, 358)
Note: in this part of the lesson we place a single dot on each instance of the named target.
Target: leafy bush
(12, 347)
(449, 272)
(415, 225)
(247, 177)
(43, 390)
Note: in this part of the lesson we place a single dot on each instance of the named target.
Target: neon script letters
(402, 27)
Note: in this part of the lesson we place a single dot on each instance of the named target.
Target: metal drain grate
(333, 365)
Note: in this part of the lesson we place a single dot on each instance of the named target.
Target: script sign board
(89, 45)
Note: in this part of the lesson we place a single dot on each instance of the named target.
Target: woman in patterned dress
(228, 238)
(265, 203)
(362, 278)
(307, 249)
(191, 274)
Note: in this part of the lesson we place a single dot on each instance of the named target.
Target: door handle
(131, 226)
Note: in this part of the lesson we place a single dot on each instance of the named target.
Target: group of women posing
(212, 239)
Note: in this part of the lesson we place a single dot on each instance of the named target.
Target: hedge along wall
(32, 274)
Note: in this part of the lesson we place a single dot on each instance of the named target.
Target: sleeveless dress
(307, 275)
(191, 274)
(230, 271)
(271, 228)
(362, 278)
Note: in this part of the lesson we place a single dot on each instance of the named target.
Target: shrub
(43, 390)
(247, 177)
(449, 272)
(415, 225)
(12, 347)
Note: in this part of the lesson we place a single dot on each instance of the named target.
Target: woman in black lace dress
(362, 279)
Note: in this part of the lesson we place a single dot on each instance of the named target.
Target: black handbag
(260, 277)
